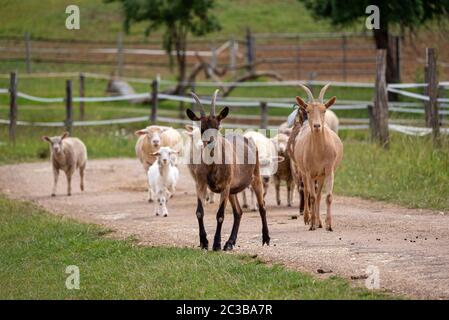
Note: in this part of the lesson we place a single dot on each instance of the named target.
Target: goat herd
(305, 153)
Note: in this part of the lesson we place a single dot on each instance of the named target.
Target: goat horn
(203, 114)
(309, 93)
(323, 91)
(214, 99)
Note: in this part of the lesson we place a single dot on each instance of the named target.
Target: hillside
(101, 21)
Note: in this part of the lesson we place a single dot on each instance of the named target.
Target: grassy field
(37, 247)
(234, 16)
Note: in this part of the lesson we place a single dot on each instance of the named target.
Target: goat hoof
(204, 245)
(289, 205)
(53, 195)
(228, 246)
(266, 240)
(216, 247)
(245, 206)
(150, 200)
(312, 228)
(329, 229)
(165, 215)
(69, 194)
(279, 203)
(157, 214)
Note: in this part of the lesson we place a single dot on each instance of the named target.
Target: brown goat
(284, 170)
(291, 152)
(229, 173)
(317, 152)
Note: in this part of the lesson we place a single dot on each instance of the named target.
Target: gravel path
(409, 247)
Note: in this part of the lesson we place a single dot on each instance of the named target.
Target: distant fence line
(301, 55)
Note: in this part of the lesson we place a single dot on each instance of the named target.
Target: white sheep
(162, 177)
(67, 154)
(150, 140)
(268, 159)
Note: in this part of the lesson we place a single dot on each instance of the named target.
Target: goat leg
(277, 184)
(257, 186)
(220, 218)
(237, 211)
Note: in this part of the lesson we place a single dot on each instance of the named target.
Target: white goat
(268, 159)
(162, 177)
(67, 154)
(150, 140)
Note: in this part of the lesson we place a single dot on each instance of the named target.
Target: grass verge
(37, 247)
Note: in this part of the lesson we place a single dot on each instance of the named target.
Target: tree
(406, 15)
(178, 18)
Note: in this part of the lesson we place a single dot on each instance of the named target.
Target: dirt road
(409, 247)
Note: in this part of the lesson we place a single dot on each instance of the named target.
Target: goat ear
(330, 102)
(223, 113)
(192, 116)
(46, 138)
(141, 132)
(189, 127)
(157, 153)
(301, 103)
(174, 152)
(65, 135)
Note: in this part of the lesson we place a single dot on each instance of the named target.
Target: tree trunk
(385, 41)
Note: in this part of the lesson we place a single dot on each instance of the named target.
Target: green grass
(37, 247)
(411, 173)
(46, 19)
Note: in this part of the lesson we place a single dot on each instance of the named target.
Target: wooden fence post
(154, 100)
(12, 107)
(27, 52)
(263, 115)
(68, 106)
(232, 57)
(345, 58)
(372, 121)
(81, 96)
(432, 90)
(398, 58)
(250, 50)
(426, 92)
(380, 110)
(298, 58)
(120, 54)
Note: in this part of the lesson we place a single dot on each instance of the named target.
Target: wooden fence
(330, 56)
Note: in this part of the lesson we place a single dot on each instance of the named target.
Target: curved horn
(323, 91)
(203, 114)
(309, 93)
(214, 99)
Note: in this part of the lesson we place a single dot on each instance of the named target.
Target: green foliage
(36, 248)
(177, 17)
(407, 14)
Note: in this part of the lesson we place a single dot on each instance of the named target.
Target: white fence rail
(285, 103)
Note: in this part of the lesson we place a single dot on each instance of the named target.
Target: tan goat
(317, 152)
